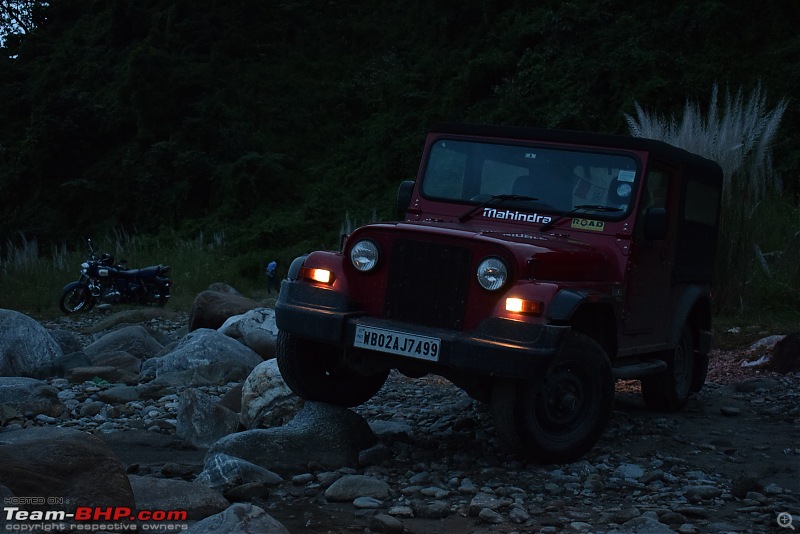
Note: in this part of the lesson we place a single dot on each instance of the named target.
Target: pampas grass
(737, 134)
(738, 137)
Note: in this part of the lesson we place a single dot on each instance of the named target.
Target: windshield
(552, 180)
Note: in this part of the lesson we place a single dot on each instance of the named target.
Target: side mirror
(655, 224)
(404, 198)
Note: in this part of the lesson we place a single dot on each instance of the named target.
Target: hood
(557, 257)
(544, 256)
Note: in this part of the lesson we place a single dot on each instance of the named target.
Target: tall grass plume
(736, 133)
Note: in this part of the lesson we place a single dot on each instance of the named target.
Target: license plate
(394, 342)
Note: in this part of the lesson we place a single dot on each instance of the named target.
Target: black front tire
(76, 298)
(314, 371)
(559, 416)
(670, 392)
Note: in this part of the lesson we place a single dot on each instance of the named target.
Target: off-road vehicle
(530, 267)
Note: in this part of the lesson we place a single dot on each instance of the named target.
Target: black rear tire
(314, 371)
(559, 416)
(669, 392)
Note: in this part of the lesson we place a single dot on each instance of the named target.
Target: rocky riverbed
(729, 463)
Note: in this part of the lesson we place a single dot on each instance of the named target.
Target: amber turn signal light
(323, 276)
(528, 307)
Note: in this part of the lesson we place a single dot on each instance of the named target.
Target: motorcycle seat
(145, 272)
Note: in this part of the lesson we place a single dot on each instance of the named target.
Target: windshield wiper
(493, 198)
(573, 211)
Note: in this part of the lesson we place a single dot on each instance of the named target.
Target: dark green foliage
(271, 120)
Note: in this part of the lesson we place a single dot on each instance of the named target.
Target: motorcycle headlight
(492, 274)
(364, 255)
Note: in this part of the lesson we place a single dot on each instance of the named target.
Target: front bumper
(497, 347)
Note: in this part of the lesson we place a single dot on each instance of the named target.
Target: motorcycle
(103, 280)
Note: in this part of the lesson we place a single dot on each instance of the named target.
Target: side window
(702, 201)
(695, 245)
(656, 191)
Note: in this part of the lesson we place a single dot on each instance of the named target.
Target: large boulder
(134, 339)
(212, 308)
(132, 316)
(328, 435)
(255, 329)
(26, 347)
(239, 518)
(223, 472)
(22, 397)
(64, 364)
(266, 399)
(119, 359)
(222, 287)
(67, 340)
(202, 357)
(169, 494)
(63, 462)
(201, 420)
(350, 487)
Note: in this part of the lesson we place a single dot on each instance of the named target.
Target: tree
(18, 17)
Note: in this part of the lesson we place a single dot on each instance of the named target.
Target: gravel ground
(729, 463)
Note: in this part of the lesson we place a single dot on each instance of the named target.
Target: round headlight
(364, 255)
(492, 274)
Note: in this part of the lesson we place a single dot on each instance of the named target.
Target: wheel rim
(561, 401)
(75, 300)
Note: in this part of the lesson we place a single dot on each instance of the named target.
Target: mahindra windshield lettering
(530, 179)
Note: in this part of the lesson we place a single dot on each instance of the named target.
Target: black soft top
(697, 165)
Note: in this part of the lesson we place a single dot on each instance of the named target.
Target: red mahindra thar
(530, 267)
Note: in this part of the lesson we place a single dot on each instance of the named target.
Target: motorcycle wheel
(76, 298)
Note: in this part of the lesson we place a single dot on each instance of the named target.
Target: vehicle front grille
(428, 283)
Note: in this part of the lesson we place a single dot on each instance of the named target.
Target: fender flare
(691, 296)
(294, 268)
(567, 301)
